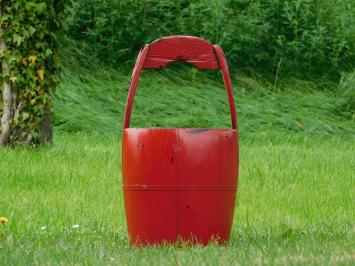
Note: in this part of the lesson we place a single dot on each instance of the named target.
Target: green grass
(182, 97)
(295, 205)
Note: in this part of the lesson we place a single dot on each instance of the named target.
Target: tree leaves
(17, 39)
(38, 8)
(40, 74)
(32, 59)
(29, 31)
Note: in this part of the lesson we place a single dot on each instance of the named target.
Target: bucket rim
(179, 128)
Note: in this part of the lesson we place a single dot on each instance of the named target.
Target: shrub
(305, 37)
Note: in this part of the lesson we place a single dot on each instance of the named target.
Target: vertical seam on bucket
(178, 183)
(219, 184)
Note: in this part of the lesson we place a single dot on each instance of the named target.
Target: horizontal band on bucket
(177, 188)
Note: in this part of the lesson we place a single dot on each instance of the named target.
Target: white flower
(43, 228)
(75, 226)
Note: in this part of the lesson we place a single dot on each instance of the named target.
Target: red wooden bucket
(179, 183)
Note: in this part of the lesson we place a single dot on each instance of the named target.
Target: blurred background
(292, 65)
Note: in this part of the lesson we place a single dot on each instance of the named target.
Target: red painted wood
(227, 82)
(179, 183)
(193, 50)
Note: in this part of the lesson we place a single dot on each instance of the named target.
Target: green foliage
(306, 37)
(29, 34)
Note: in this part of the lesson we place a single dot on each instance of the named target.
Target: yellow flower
(3, 219)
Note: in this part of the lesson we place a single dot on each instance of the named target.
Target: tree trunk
(6, 96)
(46, 131)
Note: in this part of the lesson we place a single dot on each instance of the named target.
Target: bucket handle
(199, 58)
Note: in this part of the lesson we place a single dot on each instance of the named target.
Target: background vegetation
(303, 37)
(92, 99)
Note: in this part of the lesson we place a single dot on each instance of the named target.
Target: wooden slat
(193, 50)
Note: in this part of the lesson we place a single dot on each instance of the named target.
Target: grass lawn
(64, 203)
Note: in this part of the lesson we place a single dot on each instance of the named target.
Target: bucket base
(181, 216)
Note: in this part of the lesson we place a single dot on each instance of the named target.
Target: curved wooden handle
(134, 83)
(193, 50)
(227, 83)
